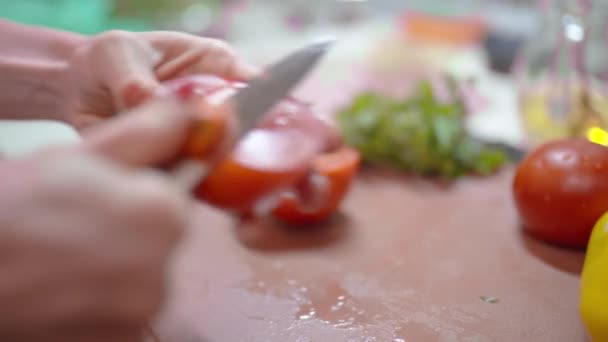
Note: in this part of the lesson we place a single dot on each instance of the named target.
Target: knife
(263, 92)
(258, 97)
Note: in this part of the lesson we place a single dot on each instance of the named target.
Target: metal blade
(253, 101)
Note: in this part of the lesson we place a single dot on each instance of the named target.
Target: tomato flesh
(264, 162)
(339, 167)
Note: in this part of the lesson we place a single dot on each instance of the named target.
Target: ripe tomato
(267, 160)
(561, 189)
(263, 163)
(339, 168)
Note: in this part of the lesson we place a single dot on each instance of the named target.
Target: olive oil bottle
(562, 73)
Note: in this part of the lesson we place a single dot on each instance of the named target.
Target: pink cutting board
(407, 260)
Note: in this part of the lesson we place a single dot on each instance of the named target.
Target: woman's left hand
(117, 70)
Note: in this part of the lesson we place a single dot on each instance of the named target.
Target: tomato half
(263, 163)
(339, 167)
(267, 160)
(561, 189)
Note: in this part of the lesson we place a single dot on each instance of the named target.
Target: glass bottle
(562, 73)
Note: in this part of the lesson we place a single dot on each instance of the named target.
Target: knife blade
(263, 92)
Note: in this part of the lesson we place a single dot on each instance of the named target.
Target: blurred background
(538, 66)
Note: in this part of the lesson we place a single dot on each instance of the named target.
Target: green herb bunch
(417, 134)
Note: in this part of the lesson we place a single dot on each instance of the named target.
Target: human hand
(117, 70)
(85, 233)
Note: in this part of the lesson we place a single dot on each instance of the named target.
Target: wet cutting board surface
(407, 260)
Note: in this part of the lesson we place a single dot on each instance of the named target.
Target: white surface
(500, 120)
(20, 137)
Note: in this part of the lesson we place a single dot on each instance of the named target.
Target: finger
(222, 66)
(126, 66)
(204, 55)
(213, 131)
(211, 137)
(149, 135)
(154, 192)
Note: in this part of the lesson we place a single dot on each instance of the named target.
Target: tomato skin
(561, 190)
(340, 168)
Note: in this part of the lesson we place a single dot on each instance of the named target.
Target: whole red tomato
(561, 189)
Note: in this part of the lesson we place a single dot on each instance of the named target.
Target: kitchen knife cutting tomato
(272, 155)
(249, 101)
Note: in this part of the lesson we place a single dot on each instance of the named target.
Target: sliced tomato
(268, 160)
(340, 168)
(264, 162)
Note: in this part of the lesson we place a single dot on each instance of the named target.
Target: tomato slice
(263, 163)
(339, 167)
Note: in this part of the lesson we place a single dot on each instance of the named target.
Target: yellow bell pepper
(594, 283)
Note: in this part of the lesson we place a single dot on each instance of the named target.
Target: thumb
(149, 135)
(126, 65)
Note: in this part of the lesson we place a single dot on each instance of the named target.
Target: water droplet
(311, 314)
(291, 282)
(337, 306)
(303, 289)
(261, 284)
(361, 312)
(340, 298)
(342, 324)
(489, 299)
(398, 340)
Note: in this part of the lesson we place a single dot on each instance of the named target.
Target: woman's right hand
(86, 234)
